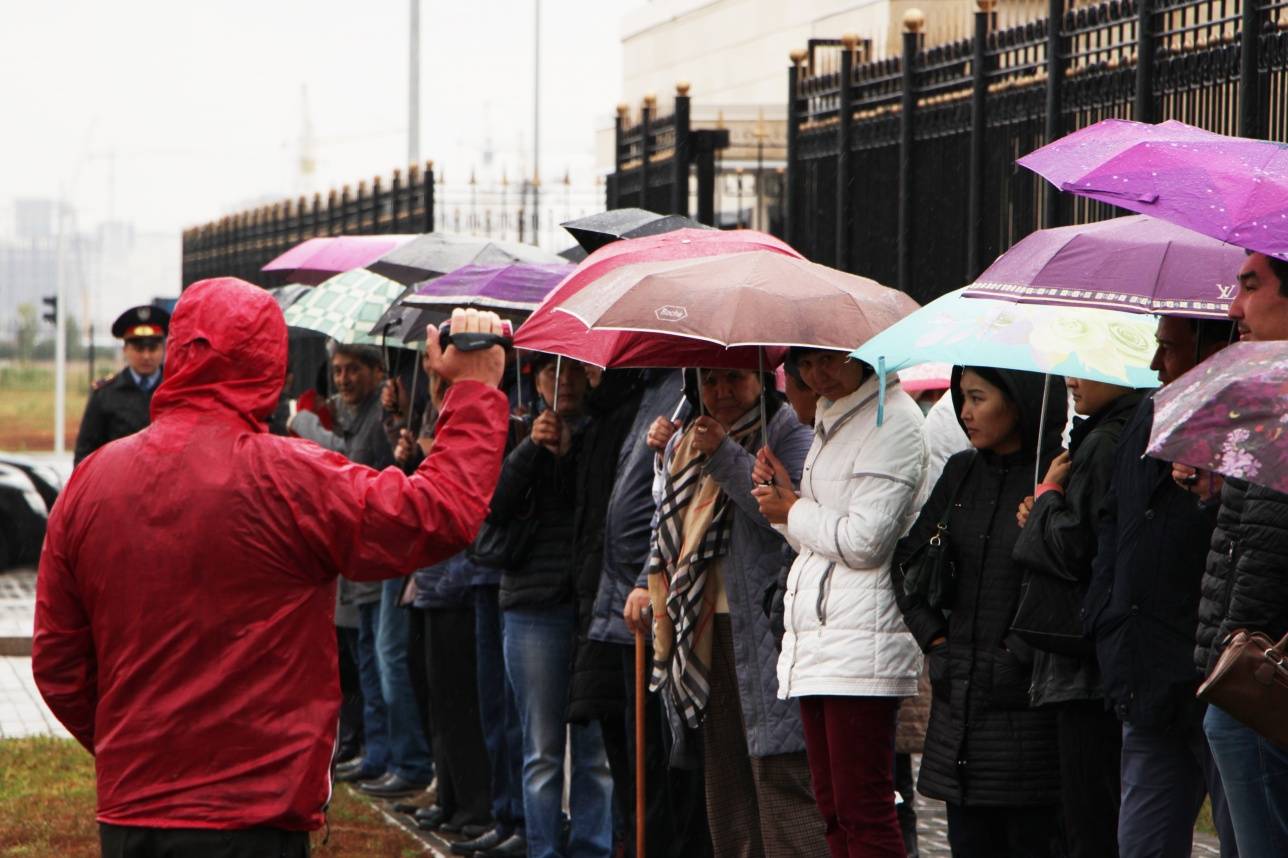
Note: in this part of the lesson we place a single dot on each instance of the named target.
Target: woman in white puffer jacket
(847, 654)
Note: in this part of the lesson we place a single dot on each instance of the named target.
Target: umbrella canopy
(519, 286)
(594, 231)
(758, 298)
(437, 253)
(574, 254)
(1226, 415)
(1231, 188)
(287, 295)
(560, 333)
(513, 291)
(346, 306)
(1083, 342)
(1136, 263)
(316, 259)
(926, 376)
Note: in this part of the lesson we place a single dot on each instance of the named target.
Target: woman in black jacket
(539, 479)
(988, 754)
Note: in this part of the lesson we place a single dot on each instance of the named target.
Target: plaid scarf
(693, 529)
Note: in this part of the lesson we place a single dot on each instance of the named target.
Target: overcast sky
(198, 104)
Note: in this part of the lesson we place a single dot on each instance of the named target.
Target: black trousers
(1091, 745)
(456, 733)
(675, 804)
(350, 744)
(119, 841)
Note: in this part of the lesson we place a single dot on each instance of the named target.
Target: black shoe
(514, 846)
(430, 818)
(482, 843)
(355, 773)
(391, 786)
(460, 823)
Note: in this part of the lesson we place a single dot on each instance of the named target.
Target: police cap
(145, 322)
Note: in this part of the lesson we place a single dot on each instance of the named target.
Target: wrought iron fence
(653, 160)
(903, 168)
(239, 245)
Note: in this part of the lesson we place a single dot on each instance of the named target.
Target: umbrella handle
(411, 394)
(1042, 415)
(518, 380)
(764, 421)
(554, 406)
(640, 666)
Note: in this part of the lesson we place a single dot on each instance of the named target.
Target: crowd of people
(833, 576)
(768, 554)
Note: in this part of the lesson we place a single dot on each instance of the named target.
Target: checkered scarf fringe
(682, 673)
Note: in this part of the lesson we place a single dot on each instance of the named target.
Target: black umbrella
(594, 231)
(436, 253)
(576, 253)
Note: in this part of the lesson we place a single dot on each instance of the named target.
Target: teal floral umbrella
(1227, 415)
(346, 306)
(1084, 342)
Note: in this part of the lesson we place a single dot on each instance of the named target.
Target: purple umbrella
(318, 259)
(1226, 415)
(1134, 263)
(1230, 188)
(519, 286)
(512, 289)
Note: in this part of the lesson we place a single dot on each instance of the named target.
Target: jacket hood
(226, 351)
(1025, 390)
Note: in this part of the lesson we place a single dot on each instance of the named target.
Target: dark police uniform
(117, 405)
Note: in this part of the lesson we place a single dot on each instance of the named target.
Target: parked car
(28, 490)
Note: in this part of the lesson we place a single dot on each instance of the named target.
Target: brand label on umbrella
(671, 313)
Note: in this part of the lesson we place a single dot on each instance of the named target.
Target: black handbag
(930, 572)
(506, 544)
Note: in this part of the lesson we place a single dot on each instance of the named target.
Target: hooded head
(226, 352)
(1024, 391)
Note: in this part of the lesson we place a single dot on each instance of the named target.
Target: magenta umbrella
(1136, 263)
(1231, 188)
(1226, 415)
(318, 259)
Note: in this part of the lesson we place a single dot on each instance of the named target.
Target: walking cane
(639, 743)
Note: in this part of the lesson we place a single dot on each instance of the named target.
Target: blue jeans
(1254, 772)
(538, 659)
(408, 748)
(1165, 775)
(502, 732)
(375, 721)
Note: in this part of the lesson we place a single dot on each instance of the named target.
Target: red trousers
(850, 742)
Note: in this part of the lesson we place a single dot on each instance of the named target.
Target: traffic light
(50, 315)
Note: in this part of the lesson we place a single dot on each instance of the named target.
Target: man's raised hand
(486, 365)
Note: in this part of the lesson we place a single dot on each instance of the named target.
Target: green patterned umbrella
(346, 306)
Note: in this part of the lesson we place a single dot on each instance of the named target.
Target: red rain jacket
(185, 600)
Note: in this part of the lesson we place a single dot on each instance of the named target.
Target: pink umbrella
(559, 333)
(1231, 188)
(318, 259)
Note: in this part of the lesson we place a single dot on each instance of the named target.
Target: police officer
(119, 404)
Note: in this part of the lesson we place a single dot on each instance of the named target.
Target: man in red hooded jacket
(184, 604)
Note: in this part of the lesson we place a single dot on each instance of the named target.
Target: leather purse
(1250, 682)
(930, 571)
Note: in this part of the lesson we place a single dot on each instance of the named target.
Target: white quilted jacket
(861, 490)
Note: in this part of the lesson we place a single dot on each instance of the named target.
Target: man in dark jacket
(1059, 540)
(212, 721)
(119, 405)
(1246, 587)
(1140, 610)
(396, 759)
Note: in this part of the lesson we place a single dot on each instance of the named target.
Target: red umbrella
(562, 334)
(318, 259)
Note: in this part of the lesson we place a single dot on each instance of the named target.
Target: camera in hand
(473, 341)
